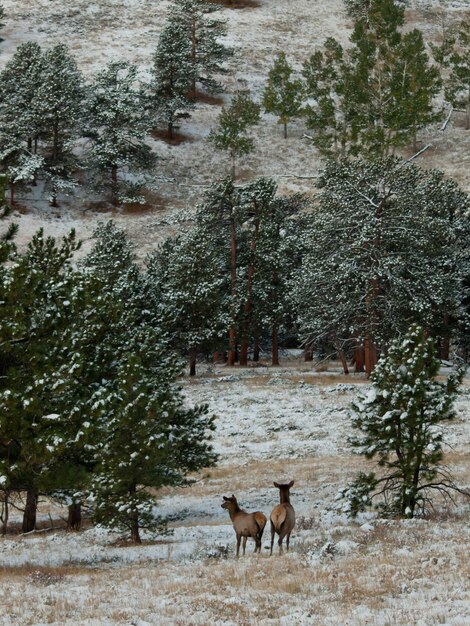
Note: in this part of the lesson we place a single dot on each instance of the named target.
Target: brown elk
(282, 517)
(245, 524)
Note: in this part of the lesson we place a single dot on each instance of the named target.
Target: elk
(282, 517)
(245, 524)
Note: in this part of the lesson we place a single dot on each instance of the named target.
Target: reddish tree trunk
(215, 358)
(30, 510)
(6, 503)
(370, 355)
(358, 358)
(12, 194)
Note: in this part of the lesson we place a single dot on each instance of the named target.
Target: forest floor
(272, 424)
(104, 30)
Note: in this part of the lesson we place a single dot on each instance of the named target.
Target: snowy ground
(273, 424)
(105, 30)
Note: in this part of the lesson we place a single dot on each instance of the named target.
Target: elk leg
(244, 544)
(239, 538)
(273, 532)
(279, 543)
(287, 541)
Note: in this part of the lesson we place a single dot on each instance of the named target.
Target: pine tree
(171, 77)
(231, 134)
(118, 126)
(148, 437)
(19, 116)
(282, 96)
(188, 275)
(386, 247)
(400, 424)
(38, 307)
(59, 98)
(207, 53)
(458, 85)
(372, 98)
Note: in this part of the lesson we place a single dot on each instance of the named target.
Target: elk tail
(260, 520)
(278, 516)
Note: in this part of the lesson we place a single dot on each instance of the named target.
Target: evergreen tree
(188, 275)
(458, 85)
(59, 98)
(171, 77)
(207, 53)
(282, 96)
(400, 425)
(231, 134)
(386, 248)
(19, 116)
(376, 95)
(38, 307)
(148, 437)
(118, 126)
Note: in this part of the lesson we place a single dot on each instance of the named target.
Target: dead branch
(447, 120)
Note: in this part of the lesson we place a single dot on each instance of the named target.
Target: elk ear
(276, 485)
(291, 484)
(226, 499)
(233, 497)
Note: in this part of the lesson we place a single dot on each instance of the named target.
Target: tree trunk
(285, 130)
(233, 332)
(370, 355)
(30, 510)
(135, 534)
(308, 352)
(256, 350)
(445, 342)
(74, 519)
(12, 194)
(342, 358)
(232, 160)
(358, 358)
(215, 358)
(171, 134)
(114, 180)
(248, 304)
(192, 361)
(6, 498)
(30, 144)
(275, 346)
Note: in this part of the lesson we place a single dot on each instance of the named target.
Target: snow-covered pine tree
(171, 77)
(231, 134)
(220, 217)
(188, 274)
(60, 96)
(359, 9)
(118, 126)
(38, 308)
(20, 121)
(278, 254)
(400, 423)
(148, 436)
(457, 88)
(283, 96)
(204, 34)
(387, 247)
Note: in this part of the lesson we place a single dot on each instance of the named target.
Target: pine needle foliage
(400, 424)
